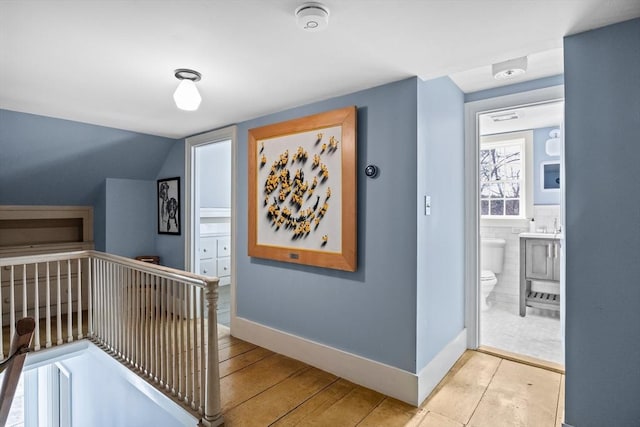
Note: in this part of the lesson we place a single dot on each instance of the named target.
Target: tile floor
(535, 335)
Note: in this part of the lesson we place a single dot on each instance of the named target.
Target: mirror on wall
(550, 176)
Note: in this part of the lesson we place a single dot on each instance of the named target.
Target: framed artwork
(302, 190)
(169, 206)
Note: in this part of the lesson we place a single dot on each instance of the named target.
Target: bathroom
(520, 158)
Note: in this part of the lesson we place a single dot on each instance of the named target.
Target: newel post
(212, 411)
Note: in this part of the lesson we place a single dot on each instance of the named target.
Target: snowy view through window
(500, 180)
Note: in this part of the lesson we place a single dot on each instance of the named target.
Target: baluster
(79, 296)
(145, 311)
(203, 360)
(12, 303)
(180, 342)
(69, 304)
(99, 302)
(24, 290)
(108, 284)
(161, 341)
(158, 323)
(36, 301)
(127, 314)
(90, 285)
(194, 346)
(152, 327)
(118, 316)
(176, 339)
(1, 320)
(59, 306)
(48, 308)
(187, 347)
(172, 349)
(137, 318)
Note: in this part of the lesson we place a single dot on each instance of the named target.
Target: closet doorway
(210, 201)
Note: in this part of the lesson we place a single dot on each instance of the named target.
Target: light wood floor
(262, 388)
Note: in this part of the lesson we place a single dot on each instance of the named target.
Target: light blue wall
(602, 74)
(170, 247)
(131, 221)
(214, 174)
(540, 197)
(370, 312)
(515, 88)
(47, 161)
(440, 253)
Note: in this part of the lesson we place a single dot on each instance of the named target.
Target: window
(503, 176)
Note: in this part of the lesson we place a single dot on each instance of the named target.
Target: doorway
(520, 230)
(508, 189)
(210, 205)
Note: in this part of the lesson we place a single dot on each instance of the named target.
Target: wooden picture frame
(169, 206)
(302, 190)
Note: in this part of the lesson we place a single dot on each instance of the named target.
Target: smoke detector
(312, 16)
(509, 69)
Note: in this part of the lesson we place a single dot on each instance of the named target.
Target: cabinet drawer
(224, 246)
(207, 247)
(224, 267)
(208, 268)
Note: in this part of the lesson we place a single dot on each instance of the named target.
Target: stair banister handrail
(18, 352)
(100, 267)
(166, 272)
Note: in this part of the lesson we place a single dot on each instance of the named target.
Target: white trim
(224, 134)
(389, 380)
(434, 372)
(215, 212)
(472, 217)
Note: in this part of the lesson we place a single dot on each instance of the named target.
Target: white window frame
(526, 160)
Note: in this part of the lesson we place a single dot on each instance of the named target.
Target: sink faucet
(556, 227)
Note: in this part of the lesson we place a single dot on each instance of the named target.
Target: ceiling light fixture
(509, 69)
(553, 146)
(186, 95)
(312, 17)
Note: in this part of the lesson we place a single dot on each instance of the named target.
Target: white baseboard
(434, 372)
(389, 380)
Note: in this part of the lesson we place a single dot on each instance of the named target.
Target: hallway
(261, 388)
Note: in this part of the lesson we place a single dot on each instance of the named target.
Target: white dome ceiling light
(509, 69)
(312, 17)
(553, 146)
(186, 95)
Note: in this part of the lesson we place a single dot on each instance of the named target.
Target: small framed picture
(169, 206)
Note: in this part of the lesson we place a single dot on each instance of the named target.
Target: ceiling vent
(503, 117)
(312, 17)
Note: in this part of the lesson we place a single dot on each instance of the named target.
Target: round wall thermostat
(371, 171)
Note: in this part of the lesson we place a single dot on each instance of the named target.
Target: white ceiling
(111, 62)
(529, 117)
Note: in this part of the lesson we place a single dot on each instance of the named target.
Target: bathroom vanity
(539, 271)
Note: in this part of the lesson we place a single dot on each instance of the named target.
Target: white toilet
(491, 261)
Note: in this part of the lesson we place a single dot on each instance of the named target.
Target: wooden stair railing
(13, 364)
(159, 322)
